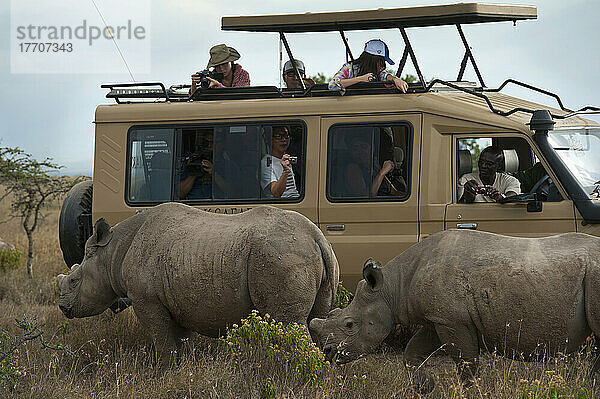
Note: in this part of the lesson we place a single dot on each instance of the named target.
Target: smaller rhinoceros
(189, 270)
(473, 291)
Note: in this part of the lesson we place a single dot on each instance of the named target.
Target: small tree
(32, 189)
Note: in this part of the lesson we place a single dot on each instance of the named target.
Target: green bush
(551, 386)
(9, 259)
(343, 297)
(9, 374)
(260, 339)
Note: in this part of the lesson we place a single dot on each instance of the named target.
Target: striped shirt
(271, 171)
(349, 71)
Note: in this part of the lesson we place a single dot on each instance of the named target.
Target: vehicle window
(150, 165)
(517, 169)
(225, 163)
(369, 162)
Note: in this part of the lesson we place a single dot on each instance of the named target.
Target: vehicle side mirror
(534, 206)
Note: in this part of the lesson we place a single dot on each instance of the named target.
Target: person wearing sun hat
(369, 67)
(222, 58)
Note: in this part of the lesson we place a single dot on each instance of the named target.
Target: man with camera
(488, 185)
(277, 177)
(226, 72)
(291, 79)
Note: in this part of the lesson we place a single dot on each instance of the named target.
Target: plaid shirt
(349, 71)
(240, 77)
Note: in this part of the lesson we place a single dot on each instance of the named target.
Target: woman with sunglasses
(277, 177)
(369, 67)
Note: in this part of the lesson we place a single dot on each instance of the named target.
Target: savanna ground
(111, 356)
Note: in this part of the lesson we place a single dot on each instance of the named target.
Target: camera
(205, 74)
(193, 162)
(293, 160)
(485, 190)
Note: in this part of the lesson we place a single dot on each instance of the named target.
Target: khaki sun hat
(220, 54)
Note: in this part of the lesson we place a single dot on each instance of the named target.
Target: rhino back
(198, 263)
(517, 291)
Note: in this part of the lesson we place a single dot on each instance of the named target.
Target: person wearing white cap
(290, 78)
(369, 67)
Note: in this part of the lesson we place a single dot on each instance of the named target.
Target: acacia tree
(32, 187)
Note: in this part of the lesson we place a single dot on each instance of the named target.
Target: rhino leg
(419, 348)
(167, 334)
(462, 344)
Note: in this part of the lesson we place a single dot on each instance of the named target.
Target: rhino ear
(372, 274)
(102, 233)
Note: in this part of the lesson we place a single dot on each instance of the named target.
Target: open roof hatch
(385, 18)
(382, 18)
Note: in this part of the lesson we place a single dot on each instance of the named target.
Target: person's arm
(469, 193)
(399, 83)
(342, 78)
(386, 168)
(278, 187)
(185, 186)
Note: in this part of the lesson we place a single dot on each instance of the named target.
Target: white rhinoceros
(473, 291)
(189, 270)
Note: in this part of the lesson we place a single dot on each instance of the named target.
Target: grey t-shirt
(503, 183)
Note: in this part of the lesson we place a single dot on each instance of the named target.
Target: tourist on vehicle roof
(222, 58)
(290, 78)
(369, 67)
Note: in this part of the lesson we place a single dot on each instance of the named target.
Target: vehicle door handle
(470, 226)
(336, 227)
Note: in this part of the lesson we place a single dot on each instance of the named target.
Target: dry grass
(112, 356)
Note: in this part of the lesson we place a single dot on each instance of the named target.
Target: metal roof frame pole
(408, 47)
(289, 52)
(348, 51)
(468, 54)
(402, 62)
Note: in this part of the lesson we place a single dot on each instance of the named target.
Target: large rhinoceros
(189, 270)
(473, 291)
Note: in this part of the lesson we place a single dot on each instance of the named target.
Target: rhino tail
(331, 268)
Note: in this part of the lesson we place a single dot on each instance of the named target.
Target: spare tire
(75, 222)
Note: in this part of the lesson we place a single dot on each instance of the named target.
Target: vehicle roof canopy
(382, 18)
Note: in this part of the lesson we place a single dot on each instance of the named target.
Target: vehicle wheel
(74, 225)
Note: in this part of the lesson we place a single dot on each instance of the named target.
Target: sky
(47, 108)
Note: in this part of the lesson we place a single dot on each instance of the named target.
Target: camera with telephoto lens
(204, 75)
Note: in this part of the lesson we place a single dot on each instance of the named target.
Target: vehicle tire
(74, 225)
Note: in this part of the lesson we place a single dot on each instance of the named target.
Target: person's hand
(387, 167)
(207, 166)
(470, 186)
(196, 79)
(368, 77)
(213, 83)
(285, 162)
(400, 84)
(493, 193)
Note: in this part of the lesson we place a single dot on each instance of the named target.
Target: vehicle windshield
(579, 149)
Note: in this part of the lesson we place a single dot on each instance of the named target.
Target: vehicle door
(364, 211)
(521, 160)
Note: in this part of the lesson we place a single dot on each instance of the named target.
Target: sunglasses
(292, 74)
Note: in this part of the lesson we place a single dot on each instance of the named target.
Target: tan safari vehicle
(154, 138)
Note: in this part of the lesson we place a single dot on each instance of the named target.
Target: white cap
(378, 47)
(288, 66)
